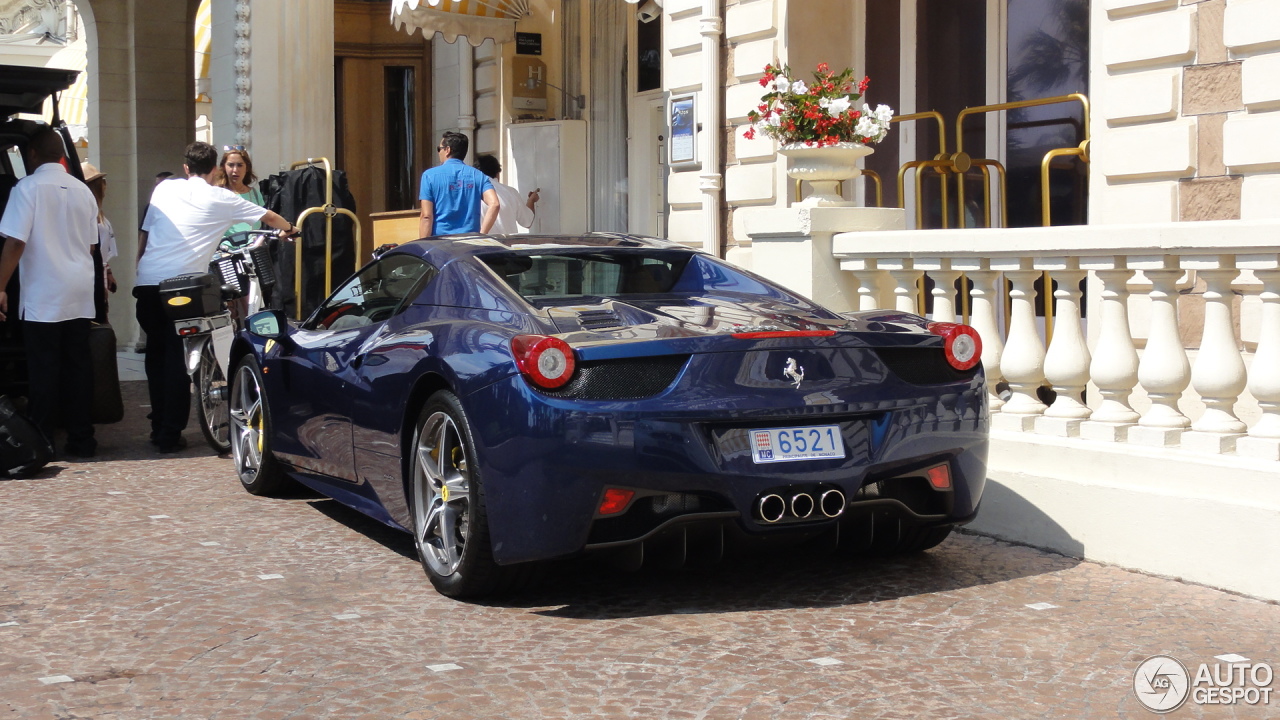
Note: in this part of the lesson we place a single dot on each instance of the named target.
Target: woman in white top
(97, 182)
(238, 177)
(515, 214)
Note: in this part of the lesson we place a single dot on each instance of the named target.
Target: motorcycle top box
(193, 295)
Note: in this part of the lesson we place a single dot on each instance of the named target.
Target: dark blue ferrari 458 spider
(512, 400)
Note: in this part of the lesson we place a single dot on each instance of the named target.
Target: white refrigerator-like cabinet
(550, 157)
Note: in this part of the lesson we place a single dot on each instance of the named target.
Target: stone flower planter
(824, 168)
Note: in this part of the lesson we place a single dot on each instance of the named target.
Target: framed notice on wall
(684, 129)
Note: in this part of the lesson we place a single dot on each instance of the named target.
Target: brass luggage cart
(329, 211)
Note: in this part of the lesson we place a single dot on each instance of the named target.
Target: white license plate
(769, 445)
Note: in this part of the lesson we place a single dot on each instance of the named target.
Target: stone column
(906, 288)
(1264, 376)
(1114, 368)
(1164, 371)
(1023, 360)
(141, 90)
(983, 318)
(1218, 375)
(1066, 365)
(944, 287)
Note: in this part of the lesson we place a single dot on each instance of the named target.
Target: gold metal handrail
(329, 211)
(962, 160)
(941, 167)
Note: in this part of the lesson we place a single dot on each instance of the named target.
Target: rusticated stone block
(1211, 89)
(1215, 198)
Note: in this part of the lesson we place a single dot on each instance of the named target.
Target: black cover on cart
(290, 194)
(23, 448)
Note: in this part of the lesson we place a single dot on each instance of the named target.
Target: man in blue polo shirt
(451, 193)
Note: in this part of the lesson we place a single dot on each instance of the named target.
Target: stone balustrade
(1120, 340)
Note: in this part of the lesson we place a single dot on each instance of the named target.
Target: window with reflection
(373, 295)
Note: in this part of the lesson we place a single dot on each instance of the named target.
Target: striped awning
(477, 20)
(204, 42)
(73, 103)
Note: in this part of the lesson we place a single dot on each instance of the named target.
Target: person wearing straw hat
(97, 182)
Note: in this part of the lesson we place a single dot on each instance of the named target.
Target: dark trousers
(167, 380)
(60, 371)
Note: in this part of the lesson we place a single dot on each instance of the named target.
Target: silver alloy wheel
(246, 423)
(441, 494)
(211, 388)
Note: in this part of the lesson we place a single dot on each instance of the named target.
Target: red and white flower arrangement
(817, 114)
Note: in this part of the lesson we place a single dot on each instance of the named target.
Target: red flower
(823, 67)
(862, 85)
(750, 134)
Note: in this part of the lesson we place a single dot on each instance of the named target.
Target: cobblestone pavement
(148, 586)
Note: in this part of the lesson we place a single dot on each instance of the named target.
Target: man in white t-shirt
(514, 212)
(51, 226)
(183, 226)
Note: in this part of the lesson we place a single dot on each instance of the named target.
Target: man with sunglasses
(184, 224)
(451, 193)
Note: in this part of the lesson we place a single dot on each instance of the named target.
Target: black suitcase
(23, 448)
(106, 406)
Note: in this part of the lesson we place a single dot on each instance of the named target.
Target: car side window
(374, 294)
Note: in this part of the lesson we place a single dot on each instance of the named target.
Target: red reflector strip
(188, 331)
(783, 334)
(615, 500)
(940, 477)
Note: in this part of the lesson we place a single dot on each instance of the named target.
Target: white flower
(798, 87)
(781, 84)
(839, 106)
(884, 114)
(773, 120)
(867, 127)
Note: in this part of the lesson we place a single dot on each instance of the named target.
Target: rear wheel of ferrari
(251, 432)
(450, 525)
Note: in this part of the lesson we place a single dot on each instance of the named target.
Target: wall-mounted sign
(528, 83)
(684, 129)
(528, 43)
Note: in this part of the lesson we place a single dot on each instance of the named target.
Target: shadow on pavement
(394, 540)
(782, 579)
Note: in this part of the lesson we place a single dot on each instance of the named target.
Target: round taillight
(961, 344)
(547, 362)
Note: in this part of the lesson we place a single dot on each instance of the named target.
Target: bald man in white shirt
(51, 226)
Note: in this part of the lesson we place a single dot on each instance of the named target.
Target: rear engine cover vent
(599, 319)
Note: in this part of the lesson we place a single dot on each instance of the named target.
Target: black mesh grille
(625, 379)
(923, 365)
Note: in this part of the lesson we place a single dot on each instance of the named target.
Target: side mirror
(268, 324)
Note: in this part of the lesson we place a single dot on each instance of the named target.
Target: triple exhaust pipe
(772, 507)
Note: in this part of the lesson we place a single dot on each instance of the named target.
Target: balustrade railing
(1201, 396)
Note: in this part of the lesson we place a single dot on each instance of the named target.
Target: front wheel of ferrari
(450, 525)
(251, 432)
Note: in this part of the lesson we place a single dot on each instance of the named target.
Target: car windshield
(599, 274)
